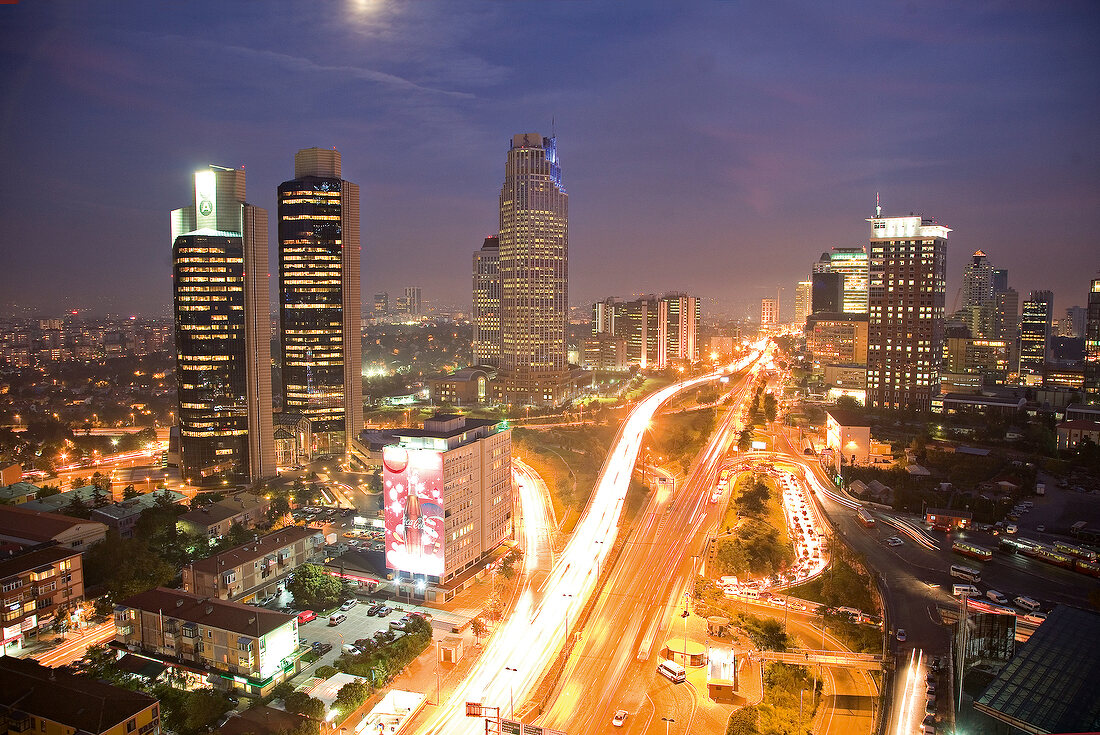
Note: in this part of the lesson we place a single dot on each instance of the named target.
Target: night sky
(716, 148)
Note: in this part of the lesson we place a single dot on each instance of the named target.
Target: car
(901, 635)
(322, 648)
(373, 609)
(350, 649)
(397, 625)
(349, 604)
(1040, 528)
(894, 541)
(305, 616)
(619, 718)
(386, 610)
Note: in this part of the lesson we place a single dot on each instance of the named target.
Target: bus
(972, 550)
(967, 573)
(1055, 557)
(1076, 551)
(1091, 568)
(865, 518)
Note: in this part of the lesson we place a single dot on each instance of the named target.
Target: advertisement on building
(413, 487)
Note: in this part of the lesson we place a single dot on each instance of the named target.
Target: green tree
(743, 722)
(76, 508)
(300, 703)
(479, 628)
(744, 440)
(313, 587)
(48, 490)
(770, 406)
(351, 695)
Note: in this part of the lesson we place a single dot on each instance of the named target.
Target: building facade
(769, 313)
(253, 571)
(908, 286)
(1036, 330)
(223, 333)
(979, 302)
(485, 317)
(657, 331)
(534, 273)
(448, 502)
(837, 339)
(803, 301)
(826, 292)
(1092, 343)
(215, 642)
(41, 588)
(853, 266)
(319, 299)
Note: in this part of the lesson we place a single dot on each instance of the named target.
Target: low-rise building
(18, 493)
(88, 495)
(945, 519)
(293, 439)
(605, 352)
(39, 586)
(45, 701)
(1072, 433)
(988, 405)
(25, 528)
(215, 519)
(848, 435)
(124, 516)
(254, 570)
(214, 642)
(465, 387)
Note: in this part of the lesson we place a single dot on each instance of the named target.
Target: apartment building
(215, 520)
(38, 586)
(216, 642)
(27, 528)
(254, 570)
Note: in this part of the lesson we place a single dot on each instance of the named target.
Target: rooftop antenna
(553, 127)
(878, 207)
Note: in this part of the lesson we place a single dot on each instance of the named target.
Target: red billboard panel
(413, 492)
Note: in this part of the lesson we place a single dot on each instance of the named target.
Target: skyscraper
(852, 265)
(223, 333)
(979, 301)
(1092, 343)
(803, 301)
(826, 292)
(908, 284)
(486, 303)
(413, 304)
(319, 298)
(1036, 329)
(656, 330)
(769, 312)
(534, 281)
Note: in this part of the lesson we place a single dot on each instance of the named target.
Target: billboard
(412, 485)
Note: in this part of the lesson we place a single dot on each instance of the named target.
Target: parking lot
(357, 625)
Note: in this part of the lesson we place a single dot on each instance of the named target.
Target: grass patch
(758, 543)
(840, 585)
(568, 458)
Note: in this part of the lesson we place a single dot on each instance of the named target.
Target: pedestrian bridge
(806, 657)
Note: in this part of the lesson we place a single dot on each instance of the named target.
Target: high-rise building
(223, 333)
(803, 301)
(836, 339)
(979, 301)
(908, 272)
(657, 330)
(534, 280)
(486, 303)
(1000, 279)
(1074, 323)
(381, 304)
(413, 305)
(1036, 330)
(826, 292)
(448, 501)
(769, 312)
(852, 265)
(1006, 315)
(319, 299)
(1092, 343)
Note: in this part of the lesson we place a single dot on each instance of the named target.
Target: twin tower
(223, 324)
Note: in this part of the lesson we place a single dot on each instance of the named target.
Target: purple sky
(716, 148)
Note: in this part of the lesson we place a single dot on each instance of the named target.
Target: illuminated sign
(206, 197)
(412, 483)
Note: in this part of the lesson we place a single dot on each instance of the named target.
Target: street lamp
(511, 703)
(668, 721)
(566, 594)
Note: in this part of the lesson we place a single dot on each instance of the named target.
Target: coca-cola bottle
(413, 523)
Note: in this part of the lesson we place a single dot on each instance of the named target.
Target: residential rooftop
(76, 701)
(253, 550)
(232, 616)
(36, 525)
(34, 558)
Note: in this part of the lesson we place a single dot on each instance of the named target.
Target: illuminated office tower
(486, 303)
(908, 284)
(852, 265)
(1036, 329)
(413, 304)
(319, 299)
(534, 252)
(769, 312)
(803, 301)
(656, 330)
(679, 316)
(1092, 343)
(223, 333)
(979, 296)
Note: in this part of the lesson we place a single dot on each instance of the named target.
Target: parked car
(349, 604)
(322, 648)
(397, 624)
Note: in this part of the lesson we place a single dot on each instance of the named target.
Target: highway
(613, 663)
(521, 649)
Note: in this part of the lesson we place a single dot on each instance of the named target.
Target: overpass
(806, 657)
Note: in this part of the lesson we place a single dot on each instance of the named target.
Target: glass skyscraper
(223, 333)
(534, 275)
(486, 303)
(319, 299)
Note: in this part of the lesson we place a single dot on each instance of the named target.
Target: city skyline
(728, 147)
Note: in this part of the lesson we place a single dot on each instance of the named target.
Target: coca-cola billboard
(413, 492)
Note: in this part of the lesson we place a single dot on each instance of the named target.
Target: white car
(894, 541)
(619, 718)
(349, 604)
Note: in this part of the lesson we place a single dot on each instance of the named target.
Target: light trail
(536, 631)
(914, 681)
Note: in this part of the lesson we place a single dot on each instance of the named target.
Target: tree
(284, 689)
(129, 492)
(350, 696)
(76, 508)
(479, 628)
(47, 490)
(770, 406)
(744, 440)
(300, 703)
(312, 586)
(743, 722)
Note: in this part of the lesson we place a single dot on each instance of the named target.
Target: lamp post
(599, 571)
(511, 703)
(566, 618)
(668, 721)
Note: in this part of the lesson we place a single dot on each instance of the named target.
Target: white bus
(967, 573)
